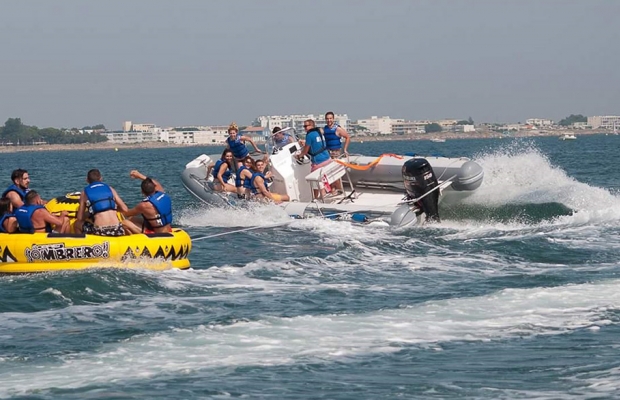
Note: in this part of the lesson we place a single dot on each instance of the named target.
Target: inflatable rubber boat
(402, 190)
(41, 252)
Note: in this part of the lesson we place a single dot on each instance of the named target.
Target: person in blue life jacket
(99, 206)
(8, 222)
(243, 178)
(222, 171)
(155, 210)
(280, 138)
(17, 191)
(258, 185)
(333, 133)
(33, 217)
(236, 143)
(316, 148)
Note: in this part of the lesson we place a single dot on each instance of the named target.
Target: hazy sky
(68, 63)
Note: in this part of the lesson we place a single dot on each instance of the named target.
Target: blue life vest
(24, 218)
(237, 147)
(253, 186)
(100, 197)
(216, 170)
(14, 188)
(332, 140)
(246, 181)
(4, 218)
(318, 151)
(163, 205)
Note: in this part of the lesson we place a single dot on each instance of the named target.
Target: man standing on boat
(333, 133)
(316, 148)
(156, 208)
(101, 202)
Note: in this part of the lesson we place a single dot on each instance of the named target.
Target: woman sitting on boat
(243, 177)
(222, 172)
(8, 222)
(259, 188)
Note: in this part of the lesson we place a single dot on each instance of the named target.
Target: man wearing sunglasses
(316, 148)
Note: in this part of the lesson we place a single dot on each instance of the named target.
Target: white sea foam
(510, 313)
(522, 174)
(516, 174)
(255, 214)
(607, 381)
(57, 293)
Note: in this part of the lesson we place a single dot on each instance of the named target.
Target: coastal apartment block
(418, 127)
(408, 127)
(604, 122)
(378, 125)
(539, 122)
(193, 135)
(296, 121)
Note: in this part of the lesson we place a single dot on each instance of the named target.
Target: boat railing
(323, 178)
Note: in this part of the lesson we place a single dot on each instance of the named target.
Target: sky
(73, 63)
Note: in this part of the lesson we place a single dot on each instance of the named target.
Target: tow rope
(242, 230)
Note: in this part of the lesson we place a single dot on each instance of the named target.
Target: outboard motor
(419, 179)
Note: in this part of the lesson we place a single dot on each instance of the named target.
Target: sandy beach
(358, 139)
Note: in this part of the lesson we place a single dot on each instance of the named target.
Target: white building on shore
(539, 122)
(403, 127)
(604, 122)
(139, 133)
(379, 125)
(297, 121)
(195, 135)
(129, 126)
(466, 128)
(131, 137)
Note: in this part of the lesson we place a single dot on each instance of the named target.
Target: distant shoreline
(354, 139)
(100, 146)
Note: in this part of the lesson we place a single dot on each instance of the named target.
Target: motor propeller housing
(420, 183)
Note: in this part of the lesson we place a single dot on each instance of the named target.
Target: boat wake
(527, 213)
(520, 179)
(251, 214)
(521, 185)
(510, 314)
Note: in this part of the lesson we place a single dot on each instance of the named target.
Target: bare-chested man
(33, 217)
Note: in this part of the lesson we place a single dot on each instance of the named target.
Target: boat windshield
(276, 141)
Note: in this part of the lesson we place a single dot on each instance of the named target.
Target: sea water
(515, 295)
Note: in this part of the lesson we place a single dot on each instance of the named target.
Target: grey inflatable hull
(467, 175)
(378, 193)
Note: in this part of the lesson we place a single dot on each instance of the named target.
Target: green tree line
(571, 119)
(14, 132)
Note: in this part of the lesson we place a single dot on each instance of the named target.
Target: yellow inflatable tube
(41, 252)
